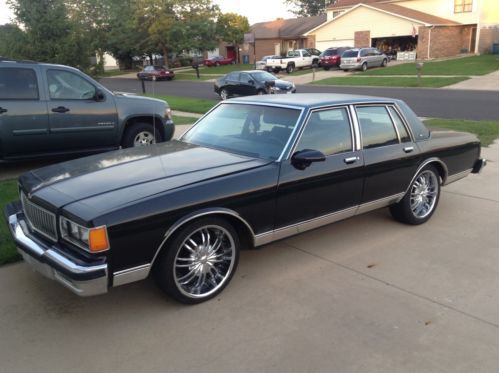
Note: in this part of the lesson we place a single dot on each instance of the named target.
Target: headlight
(89, 239)
(276, 88)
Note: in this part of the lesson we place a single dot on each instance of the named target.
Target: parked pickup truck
(296, 59)
(50, 109)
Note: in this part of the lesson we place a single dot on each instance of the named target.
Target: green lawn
(184, 120)
(8, 253)
(224, 69)
(390, 81)
(475, 65)
(193, 76)
(188, 104)
(116, 72)
(487, 131)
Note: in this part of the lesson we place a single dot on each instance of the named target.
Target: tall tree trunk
(165, 56)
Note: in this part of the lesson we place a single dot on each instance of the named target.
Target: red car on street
(219, 60)
(331, 57)
(158, 72)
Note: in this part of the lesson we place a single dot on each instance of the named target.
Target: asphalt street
(426, 102)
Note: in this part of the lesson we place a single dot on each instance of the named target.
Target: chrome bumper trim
(40, 260)
(129, 275)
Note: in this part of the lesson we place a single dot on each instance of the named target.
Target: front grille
(39, 219)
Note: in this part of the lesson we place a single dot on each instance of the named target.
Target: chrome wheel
(424, 193)
(204, 261)
(144, 138)
(224, 95)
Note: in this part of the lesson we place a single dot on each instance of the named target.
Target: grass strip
(188, 104)
(487, 131)
(8, 252)
(390, 82)
(475, 65)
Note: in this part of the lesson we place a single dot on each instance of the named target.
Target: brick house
(432, 28)
(279, 36)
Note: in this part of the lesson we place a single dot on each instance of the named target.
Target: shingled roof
(287, 28)
(413, 14)
(350, 3)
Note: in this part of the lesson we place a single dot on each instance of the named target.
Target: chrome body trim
(379, 203)
(279, 234)
(129, 275)
(356, 128)
(425, 163)
(456, 177)
(188, 218)
(34, 254)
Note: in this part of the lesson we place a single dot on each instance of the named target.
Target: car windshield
(350, 53)
(245, 129)
(263, 76)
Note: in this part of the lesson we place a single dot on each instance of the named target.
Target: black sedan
(251, 171)
(253, 82)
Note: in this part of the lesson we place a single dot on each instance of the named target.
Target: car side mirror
(99, 95)
(304, 158)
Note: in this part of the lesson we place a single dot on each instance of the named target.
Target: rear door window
(376, 127)
(18, 84)
(404, 135)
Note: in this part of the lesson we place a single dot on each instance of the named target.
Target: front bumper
(47, 259)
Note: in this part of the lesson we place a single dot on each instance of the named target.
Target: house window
(463, 6)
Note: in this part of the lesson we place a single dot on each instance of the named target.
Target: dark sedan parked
(253, 82)
(251, 171)
(156, 72)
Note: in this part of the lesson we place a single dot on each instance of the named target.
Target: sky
(255, 10)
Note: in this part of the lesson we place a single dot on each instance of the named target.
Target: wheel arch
(155, 120)
(242, 227)
(438, 164)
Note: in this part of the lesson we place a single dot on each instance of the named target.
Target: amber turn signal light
(97, 239)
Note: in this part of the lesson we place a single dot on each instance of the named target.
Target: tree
(12, 41)
(49, 34)
(231, 28)
(307, 8)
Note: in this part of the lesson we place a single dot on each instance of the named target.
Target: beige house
(432, 28)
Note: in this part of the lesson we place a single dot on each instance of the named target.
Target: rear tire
(327, 68)
(199, 261)
(290, 69)
(421, 200)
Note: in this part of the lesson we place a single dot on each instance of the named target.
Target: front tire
(199, 262)
(140, 134)
(384, 63)
(421, 200)
(224, 95)
(364, 66)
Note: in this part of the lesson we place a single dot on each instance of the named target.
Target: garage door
(322, 45)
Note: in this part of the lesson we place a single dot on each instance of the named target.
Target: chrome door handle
(351, 160)
(408, 149)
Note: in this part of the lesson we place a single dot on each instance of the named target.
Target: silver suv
(362, 59)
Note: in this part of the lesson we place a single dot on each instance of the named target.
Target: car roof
(311, 100)
(5, 62)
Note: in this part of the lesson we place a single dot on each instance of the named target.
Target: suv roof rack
(7, 59)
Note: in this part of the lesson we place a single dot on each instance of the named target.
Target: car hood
(122, 176)
(283, 83)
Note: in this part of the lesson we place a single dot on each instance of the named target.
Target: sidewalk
(489, 82)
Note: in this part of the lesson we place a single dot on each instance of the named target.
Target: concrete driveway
(363, 295)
